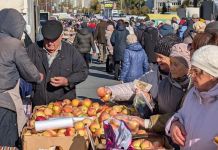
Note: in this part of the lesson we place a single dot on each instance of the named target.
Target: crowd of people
(177, 57)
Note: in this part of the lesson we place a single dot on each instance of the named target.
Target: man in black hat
(62, 65)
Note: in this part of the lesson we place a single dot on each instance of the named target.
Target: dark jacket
(118, 40)
(14, 61)
(166, 29)
(100, 32)
(139, 32)
(135, 63)
(149, 40)
(69, 63)
(84, 41)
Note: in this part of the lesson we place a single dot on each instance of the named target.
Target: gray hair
(131, 38)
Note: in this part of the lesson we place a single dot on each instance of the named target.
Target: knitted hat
(181, 52)
(205, 58)
(165, 44)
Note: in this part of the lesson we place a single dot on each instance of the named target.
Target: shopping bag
(117, 138)
(96, 48)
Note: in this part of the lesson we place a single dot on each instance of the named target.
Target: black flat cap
(52, 29)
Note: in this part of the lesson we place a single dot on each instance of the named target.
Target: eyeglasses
(196, 71)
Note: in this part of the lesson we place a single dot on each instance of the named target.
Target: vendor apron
(21, 117)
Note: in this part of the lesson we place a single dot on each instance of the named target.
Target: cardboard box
(54, 143)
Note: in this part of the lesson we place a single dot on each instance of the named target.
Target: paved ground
(97, 77)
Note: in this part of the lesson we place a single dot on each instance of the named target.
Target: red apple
(104, 116)
(101, 92)
(58, 103)
(77, 112)
(92, 112)
(69, 132)
(67, 114)
(66, 102)
(87, 102)
(67, 108)
(40, 118)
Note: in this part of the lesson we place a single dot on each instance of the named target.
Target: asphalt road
(97, 77)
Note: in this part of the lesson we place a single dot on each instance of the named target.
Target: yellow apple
(79, 125)
(75, 102)
(48, 111)
(87, 102)
(94, 126)
(136, 144)
(84, 109)
(146, 145)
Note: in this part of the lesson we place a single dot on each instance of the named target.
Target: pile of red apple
(76, 108)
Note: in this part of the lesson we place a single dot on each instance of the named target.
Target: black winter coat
(149, 40)
(118, 40)
(84, 41)
(68, 63)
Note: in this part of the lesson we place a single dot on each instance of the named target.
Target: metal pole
(46, 6)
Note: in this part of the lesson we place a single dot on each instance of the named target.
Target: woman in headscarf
(194, 126)
(170, 91)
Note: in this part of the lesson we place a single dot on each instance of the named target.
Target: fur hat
(165, 44)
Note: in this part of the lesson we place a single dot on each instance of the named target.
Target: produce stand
(66, 138)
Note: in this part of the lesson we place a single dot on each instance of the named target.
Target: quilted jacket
(135, 63)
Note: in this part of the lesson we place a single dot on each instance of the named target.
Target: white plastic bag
(96, 48)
